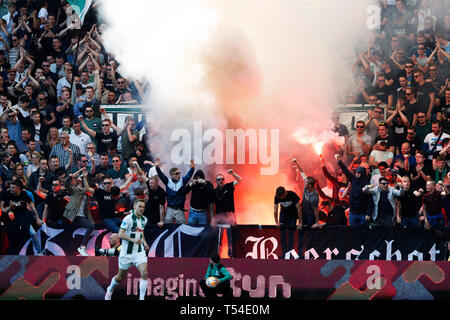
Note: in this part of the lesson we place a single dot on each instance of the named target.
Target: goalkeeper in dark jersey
(217, 270)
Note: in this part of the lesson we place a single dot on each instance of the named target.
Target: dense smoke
(280, 66)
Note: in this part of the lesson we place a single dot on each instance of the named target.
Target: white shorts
(128, 260)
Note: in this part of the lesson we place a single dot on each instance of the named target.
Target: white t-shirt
(43, 13)
(380, 156)
(81, 141)
(356, 146)
(23, 112)
(375, 179)
(431, 140)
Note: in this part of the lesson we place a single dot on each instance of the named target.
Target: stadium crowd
(395, 167)
(60, 156)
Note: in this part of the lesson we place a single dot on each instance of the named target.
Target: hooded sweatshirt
(202, 193)
(359, 200)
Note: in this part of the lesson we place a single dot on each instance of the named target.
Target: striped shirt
(63, 155)
(13, 56)
(134, 228)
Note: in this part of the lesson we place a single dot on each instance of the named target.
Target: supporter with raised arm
(358, 199)
(55, 203)
(175, 189)
(431, 211)
(224, 204)
(104, 138)
(341, 200)
(310, 201)
(202, 199)
(156, 199)
(107, 198)
(92, 122)
(408, 205)
(76, 211)
(338, 182)
(384, 202)
(22, 215)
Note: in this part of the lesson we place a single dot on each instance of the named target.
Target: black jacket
(358, 199)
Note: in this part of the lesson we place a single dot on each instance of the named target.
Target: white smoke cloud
(240, 64)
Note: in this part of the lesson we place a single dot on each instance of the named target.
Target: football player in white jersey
(133, 249)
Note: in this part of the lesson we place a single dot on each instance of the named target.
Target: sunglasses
(105, 125)
(177, 173)
(116, 161)
(408, 66)
(384, 183)
(220, 179)
(360, 127)
(106, 183)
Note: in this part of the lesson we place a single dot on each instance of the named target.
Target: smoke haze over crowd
(273, 65)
